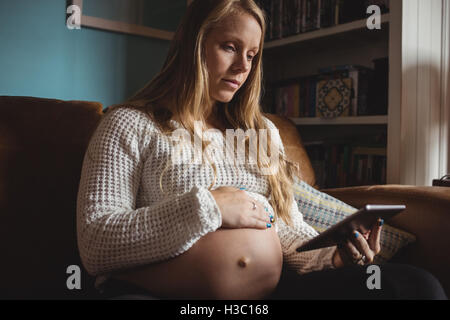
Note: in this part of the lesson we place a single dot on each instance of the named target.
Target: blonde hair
(185, 73)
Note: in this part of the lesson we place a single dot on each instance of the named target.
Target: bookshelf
(341, 120)
(343, 138)
(348, 30)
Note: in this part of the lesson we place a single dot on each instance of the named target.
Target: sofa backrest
(294, 148)
(42, 145)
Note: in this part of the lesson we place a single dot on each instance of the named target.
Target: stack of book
(347, 163)
(296, 99)
(369, 91)
(290, 17)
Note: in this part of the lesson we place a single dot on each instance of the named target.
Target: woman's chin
(225, 97)
(224, 100)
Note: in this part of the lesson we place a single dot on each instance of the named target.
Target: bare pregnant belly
(226, 264)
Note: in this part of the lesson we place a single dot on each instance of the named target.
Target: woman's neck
(216, 123)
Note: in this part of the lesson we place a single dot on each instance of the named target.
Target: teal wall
(41, 57)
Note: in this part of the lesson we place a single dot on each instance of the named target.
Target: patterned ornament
(333, 97)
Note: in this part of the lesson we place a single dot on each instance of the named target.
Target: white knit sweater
(123, 218)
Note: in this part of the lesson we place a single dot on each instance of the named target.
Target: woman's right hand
(236, 207)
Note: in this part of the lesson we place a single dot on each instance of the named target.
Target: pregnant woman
(177, 218)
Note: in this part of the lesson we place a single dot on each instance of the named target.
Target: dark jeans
(397, 281)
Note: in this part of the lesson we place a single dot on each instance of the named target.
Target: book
(380, 151)
(287, 100)
(307, 98)
(313, 94)
(302, 94)
(327, 13)
(292, 15)
(346, 162)
(266, 6)
(277, 19)
(311, 15)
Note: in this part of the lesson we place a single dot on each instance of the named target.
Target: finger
(367, 234)
(228, 188)
(259, 224)
(348, 252)
(267, 215)
(352, 251)
(375, 236)
(362, 246)
(263, 218)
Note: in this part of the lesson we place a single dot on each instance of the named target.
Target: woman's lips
(231, 84)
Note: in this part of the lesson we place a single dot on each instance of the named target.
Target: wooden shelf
(341, 120)
(358, 26)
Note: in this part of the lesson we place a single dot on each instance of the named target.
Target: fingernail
(268, 225)
(242, 189)
(356, 234)
(381, 222)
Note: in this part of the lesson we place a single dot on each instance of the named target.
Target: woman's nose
(242, 64)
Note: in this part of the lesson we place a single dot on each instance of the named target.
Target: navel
(243, 262)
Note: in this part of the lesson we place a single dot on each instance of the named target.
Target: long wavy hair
(185, 73)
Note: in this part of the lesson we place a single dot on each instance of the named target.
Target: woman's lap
(396, 281)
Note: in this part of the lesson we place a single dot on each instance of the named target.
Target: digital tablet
(362, 221)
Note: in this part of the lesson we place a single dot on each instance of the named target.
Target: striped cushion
(321, 211)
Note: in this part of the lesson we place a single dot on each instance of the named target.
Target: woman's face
(230, 49)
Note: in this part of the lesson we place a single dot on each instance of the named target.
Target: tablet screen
(362, 220)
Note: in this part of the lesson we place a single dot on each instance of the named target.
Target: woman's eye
(229, 47)
(233, 49)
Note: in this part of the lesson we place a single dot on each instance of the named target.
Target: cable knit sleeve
(292, 236)
(112, 233)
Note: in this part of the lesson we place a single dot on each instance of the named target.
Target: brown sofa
(42, 144)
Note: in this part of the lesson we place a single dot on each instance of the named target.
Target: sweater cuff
(209, 212)
(327, 257)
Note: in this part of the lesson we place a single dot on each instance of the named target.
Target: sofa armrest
(426, 207)
(427, 216)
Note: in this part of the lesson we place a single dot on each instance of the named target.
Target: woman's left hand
(360, 249)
